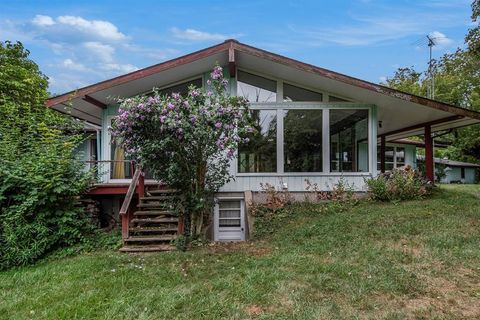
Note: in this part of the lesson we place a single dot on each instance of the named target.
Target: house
(450, 171)
(316, 124)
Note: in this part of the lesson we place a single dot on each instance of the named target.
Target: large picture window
(303, 140)
(348, 132)
(259, 154)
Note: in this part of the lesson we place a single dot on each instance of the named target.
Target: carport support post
(429, 169)
(382, 153)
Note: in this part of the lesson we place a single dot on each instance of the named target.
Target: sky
(77, 43)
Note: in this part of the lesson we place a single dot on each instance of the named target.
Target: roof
(87, 102)
(451, 163)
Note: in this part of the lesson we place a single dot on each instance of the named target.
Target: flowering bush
(187, 141)
(399, 184)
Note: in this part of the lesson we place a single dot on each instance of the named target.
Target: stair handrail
(131, 191)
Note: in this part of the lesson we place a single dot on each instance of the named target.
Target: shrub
(39, 177)
(186, 142)
(399, 184)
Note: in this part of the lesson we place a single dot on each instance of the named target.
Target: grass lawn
(418, 259)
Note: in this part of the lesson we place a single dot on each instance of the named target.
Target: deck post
(141, 186)
(382, 153)
(429, 168)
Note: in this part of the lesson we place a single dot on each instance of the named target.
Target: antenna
(431, 87)
(431, 42)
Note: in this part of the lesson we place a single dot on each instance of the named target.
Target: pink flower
(218, 125)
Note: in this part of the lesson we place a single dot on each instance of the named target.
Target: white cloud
(41, 20)
(101, 28)
(196, 35)
(104, 52)
(123, 68)
(72, 65)
(386, 25)
(383, 79)
(440, 39)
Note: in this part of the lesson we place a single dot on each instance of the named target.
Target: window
(120, 166)
(348, 129)
(259, 154)
(229, 213)
(181, 88)
(303, 141)
(293, 93)
(399, 157)
(336, 99)
(462, 173)
(255, 88)
(394, 158)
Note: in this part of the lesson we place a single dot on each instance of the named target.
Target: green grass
(418, 259)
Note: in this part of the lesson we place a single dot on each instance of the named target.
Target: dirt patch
(256, 249)
(408, 247)
(254, 310)
(447, 292)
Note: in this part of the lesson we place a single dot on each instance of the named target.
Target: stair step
(151, 239)
(148, 248)
(162, 191)
(156, 198)
(154, 213)
(153, 229)
(152, 205)
(158, 220)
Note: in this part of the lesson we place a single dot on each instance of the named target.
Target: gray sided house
(450, 171)
(316, 125)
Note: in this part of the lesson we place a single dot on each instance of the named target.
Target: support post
(125, 224)
(429, 167)
(382, 153)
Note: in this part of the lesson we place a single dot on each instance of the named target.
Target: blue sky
(77, 43)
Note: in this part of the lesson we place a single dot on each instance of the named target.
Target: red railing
(137, 185)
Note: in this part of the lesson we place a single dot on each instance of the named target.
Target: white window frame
(216, 218)
(325, 107)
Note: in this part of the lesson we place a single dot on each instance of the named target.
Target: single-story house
(450, 171)
(316, 124)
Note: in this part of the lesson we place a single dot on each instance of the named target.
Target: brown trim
(232, 45)
(421, 125)
(139, 73)
(94, 101)
(355, 81)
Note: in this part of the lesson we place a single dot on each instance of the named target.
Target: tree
(39, 177)
(186, 142)
(457, 81)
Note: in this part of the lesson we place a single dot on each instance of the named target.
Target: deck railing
(111, 169)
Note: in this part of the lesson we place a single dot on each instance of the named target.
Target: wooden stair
(154, 225)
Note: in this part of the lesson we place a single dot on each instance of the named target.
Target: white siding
(295, 183)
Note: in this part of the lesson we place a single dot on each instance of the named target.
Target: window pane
(389, 155)
(303, 141)
(119, 167)
(293, 93)
(260, 153)
(336, 99)
(229, 222)
(226, 204)
(181, 88)
(348, 129)
(400, 154)
(255, 88)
